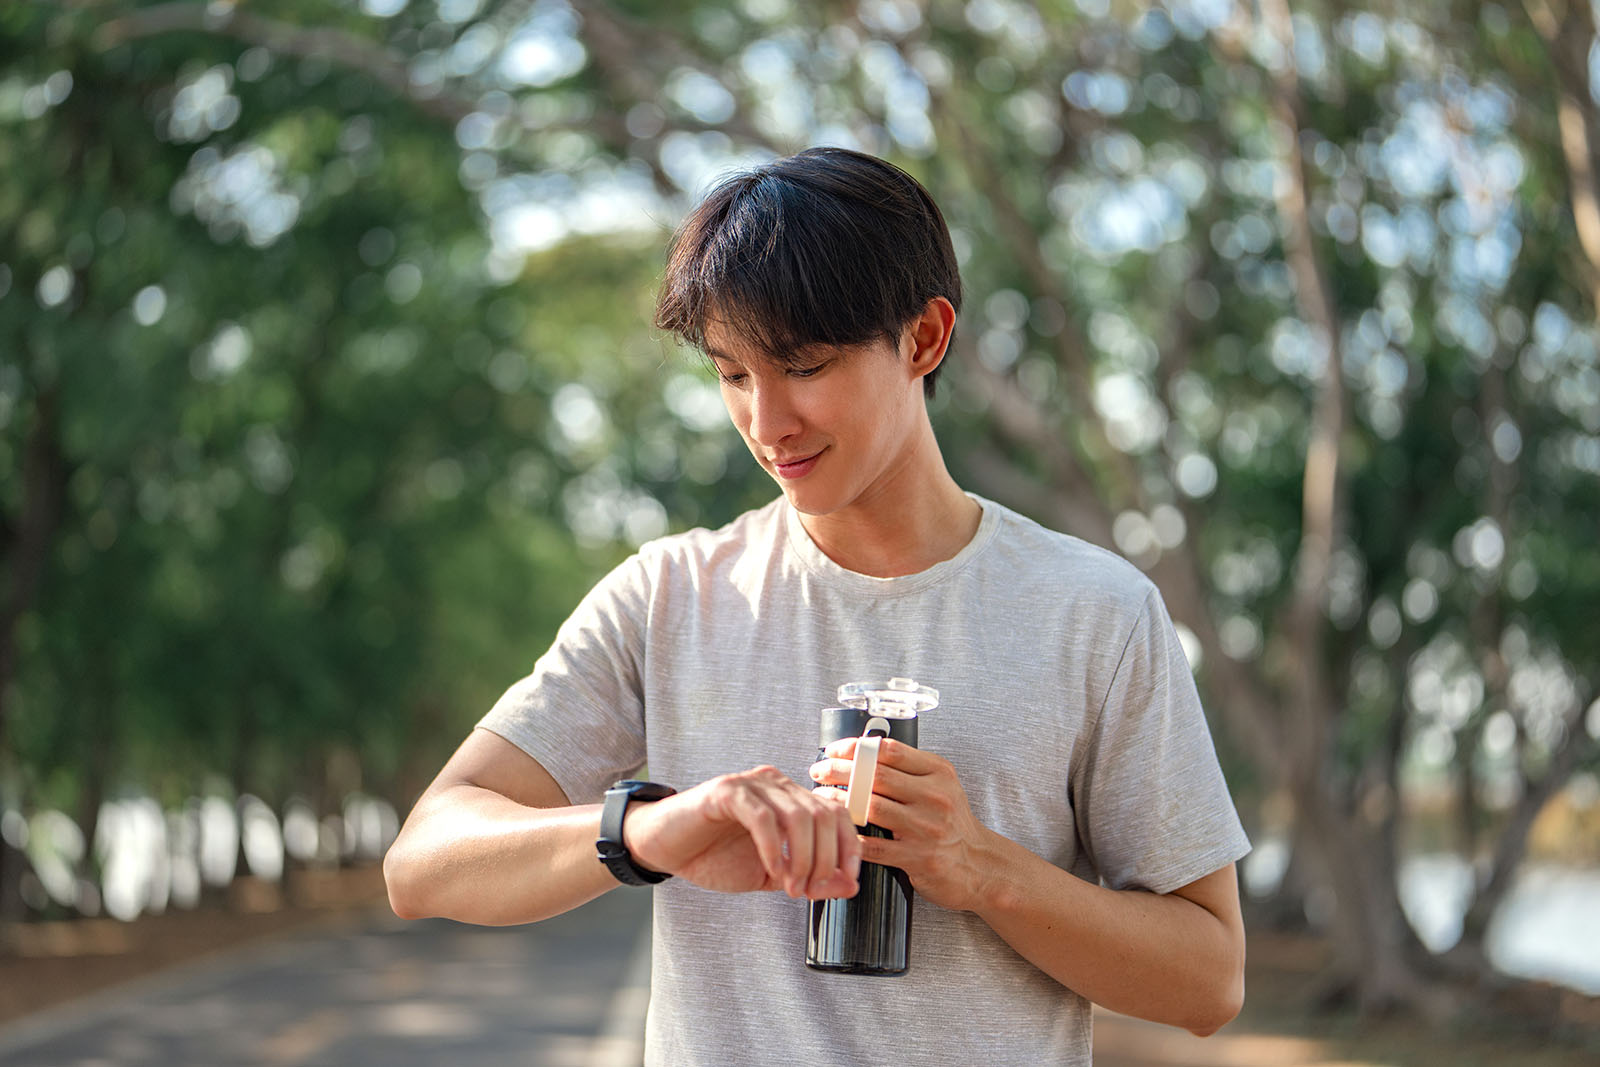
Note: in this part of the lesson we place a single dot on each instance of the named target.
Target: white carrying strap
(864, 770)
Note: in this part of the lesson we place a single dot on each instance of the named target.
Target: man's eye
(732, 379)
(806, 372)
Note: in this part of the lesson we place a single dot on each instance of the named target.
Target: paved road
(569, 992)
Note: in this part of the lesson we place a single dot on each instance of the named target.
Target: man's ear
(927, 336)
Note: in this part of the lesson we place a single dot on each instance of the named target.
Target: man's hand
(749, 831)
(943, 848)
(1175, 958)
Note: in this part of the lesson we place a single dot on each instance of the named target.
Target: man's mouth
(798, 467)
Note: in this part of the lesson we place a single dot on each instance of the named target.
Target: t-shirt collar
(817, 562)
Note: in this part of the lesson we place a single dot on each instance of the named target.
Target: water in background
(1548, 926)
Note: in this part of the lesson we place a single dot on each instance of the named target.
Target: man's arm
(495, 841)
(1175, 958)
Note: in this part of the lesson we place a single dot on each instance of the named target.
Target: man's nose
(772, 414)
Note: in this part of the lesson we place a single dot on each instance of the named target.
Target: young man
(1064, 822)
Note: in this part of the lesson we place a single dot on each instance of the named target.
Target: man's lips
(795, 468)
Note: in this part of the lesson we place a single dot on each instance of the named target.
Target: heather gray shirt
(1068, 710)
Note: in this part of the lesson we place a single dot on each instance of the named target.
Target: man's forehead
(724, 342)
(733, 346)
(723, 345)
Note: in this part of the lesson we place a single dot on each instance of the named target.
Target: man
(1064, 823)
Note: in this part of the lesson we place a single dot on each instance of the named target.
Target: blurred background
(327, 388)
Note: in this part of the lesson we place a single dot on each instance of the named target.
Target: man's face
(834, 431)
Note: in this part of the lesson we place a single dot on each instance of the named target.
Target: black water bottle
(869, 933)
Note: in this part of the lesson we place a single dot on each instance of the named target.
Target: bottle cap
(900, 699)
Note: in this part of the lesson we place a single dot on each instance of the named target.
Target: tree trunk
(13, 864)
(1373, 943)
(1512, 842)
(243, 777)
(44, 482)
(25, 554)
(1285, 908)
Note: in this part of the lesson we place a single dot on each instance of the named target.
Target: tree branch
(1126, 488)
(387, 68)
(1567, 37)
(1513, 840)
(1320, 501)
(635, 60)
(1022, 422)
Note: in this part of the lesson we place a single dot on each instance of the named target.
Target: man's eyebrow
(802, 357)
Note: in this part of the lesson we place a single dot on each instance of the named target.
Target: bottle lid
(902, 698)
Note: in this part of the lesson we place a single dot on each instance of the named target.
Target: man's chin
(807, 504)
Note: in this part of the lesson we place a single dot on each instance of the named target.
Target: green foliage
(349, 343)
(313, 488)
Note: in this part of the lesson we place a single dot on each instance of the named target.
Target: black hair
(826, 247)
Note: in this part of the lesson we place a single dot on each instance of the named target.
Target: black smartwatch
(613, 853)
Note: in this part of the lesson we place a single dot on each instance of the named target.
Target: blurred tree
(1253, 301)
(1291, 304)
(289, 472)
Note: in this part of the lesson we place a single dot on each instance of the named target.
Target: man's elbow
(403, 885)
(1221, 1008)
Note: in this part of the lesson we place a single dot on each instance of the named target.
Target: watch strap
(609, 845)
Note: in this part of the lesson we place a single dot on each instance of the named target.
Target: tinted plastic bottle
(869, 933)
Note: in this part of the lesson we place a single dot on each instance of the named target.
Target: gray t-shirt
(1067, 709)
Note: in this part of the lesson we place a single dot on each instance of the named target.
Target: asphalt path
(567, 992)
(372, 990)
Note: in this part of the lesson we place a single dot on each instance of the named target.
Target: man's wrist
(996, 889)
(630, 822)
(610, 846)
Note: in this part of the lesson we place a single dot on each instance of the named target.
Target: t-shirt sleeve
(1151, 805)
(581, 712)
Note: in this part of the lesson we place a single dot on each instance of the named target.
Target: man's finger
(891, 753)
(889, 852)
(849, 846)
(831, 771)
(750, 809)
(908, 758)
(883, 811)
(890, 814)
(799, 832)
(825, 850)
(893, 782)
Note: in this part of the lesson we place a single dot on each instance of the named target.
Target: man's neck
(923, 519)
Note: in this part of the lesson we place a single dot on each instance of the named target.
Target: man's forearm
(1165, 958)
(470, 854)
